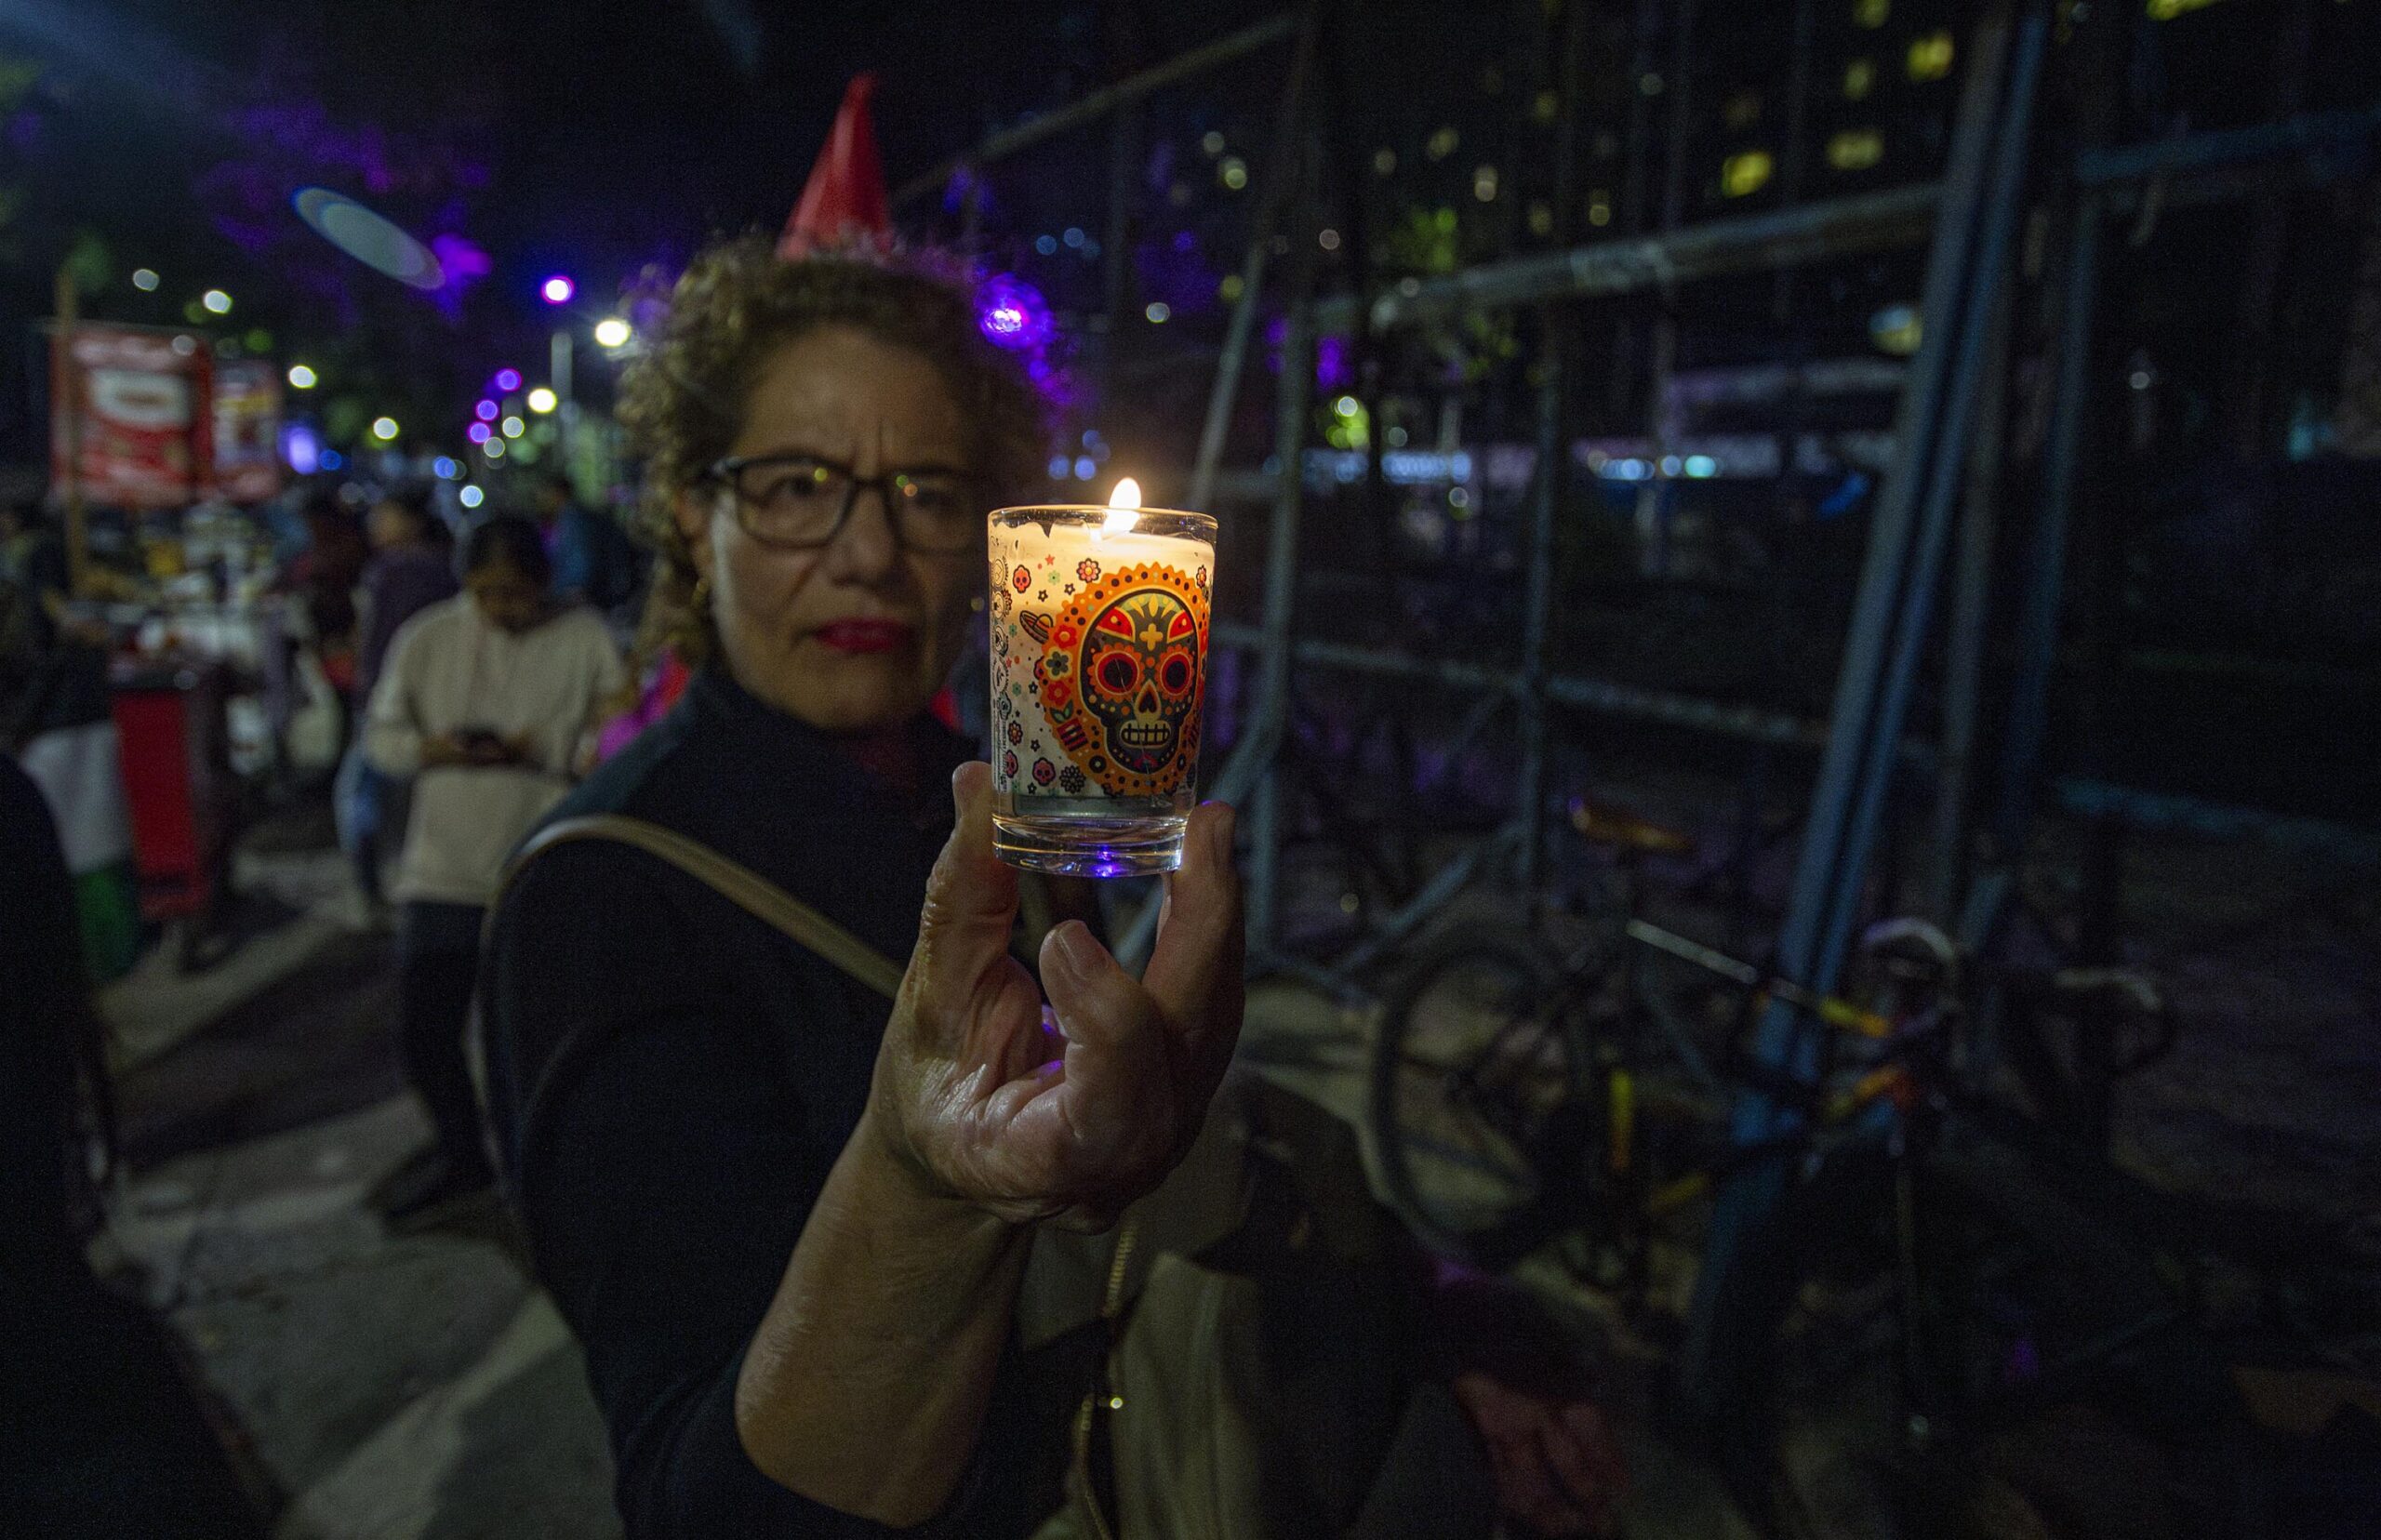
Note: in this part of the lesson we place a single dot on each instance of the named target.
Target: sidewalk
(419, 1386)
(400, 1388)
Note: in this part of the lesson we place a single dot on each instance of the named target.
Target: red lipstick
(865, 636)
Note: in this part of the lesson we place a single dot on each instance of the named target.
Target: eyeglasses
(798, 502)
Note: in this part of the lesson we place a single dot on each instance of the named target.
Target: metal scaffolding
(1938, 508)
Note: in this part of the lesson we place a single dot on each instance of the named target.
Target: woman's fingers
(964, 930)
(1194, 973)
(1116, 1058)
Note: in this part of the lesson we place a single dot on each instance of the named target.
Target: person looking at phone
(489, 701)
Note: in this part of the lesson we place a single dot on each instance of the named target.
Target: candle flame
(1123, 504)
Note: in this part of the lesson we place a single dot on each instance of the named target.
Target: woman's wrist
(894, 1171)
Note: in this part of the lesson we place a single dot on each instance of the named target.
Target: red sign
(247, 427)
(130, 420)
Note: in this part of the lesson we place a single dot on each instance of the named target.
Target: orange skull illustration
(1122, 676)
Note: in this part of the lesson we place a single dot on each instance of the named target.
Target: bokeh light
(145, 280)
(368, 238)
(217, 302)
(508, 380)
(558, 290)
(302, 378)
(384, 428)
(613, 332)
(543, 399)
(470, 496)
(1012, 312)
(487, 411)
(479, 433)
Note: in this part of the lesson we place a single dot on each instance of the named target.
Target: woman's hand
(1071, 1115)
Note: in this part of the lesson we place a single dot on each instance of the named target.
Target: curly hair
(737, 302)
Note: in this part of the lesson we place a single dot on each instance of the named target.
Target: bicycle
(1948, 1282)
(1514, 1095)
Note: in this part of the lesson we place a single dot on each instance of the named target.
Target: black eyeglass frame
(727, 472)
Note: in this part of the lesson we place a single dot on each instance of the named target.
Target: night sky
(594, 139)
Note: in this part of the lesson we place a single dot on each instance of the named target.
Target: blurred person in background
(593, 561)
(103, 1437)
(324, 577)
(412, 567)
(490, 701)
(55, 718)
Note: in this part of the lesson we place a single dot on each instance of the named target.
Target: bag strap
(749, 891)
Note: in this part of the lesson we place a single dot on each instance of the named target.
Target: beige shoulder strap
(747, 889)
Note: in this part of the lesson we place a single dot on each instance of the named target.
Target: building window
(1930, 56)
(1855, 149)
(1745, 173)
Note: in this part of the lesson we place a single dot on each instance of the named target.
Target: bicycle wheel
(1474, 1101)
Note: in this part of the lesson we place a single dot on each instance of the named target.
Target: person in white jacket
(491, 702)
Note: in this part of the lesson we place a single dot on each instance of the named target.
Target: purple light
(486, 411)
(508, 379)
(558, 290)
(478, 433)
(301, 448)
(1013, 313)
(1332, 369)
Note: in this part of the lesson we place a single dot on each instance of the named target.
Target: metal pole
(1116, 249)
(1281, 173)
(1892, 538)
(1656, 497)
(1867, 221)
(1986, 293)
(1250, 766)
(561, 360)
(1971, 607)
(1008, 141)
(66, 403)
(2047, 558)
(1832, 833)
(1281, 595)
(1554, 461)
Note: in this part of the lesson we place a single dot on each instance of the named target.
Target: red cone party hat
(845, 203)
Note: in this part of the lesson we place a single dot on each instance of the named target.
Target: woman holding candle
(790, 1230)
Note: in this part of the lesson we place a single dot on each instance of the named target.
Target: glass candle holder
(1100, 674)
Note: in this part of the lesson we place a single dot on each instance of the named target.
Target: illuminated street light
(558, 290)
(384, 428)
(145, 280)
(217, 302)
(302, 378)
(542, 399)
(613, 332)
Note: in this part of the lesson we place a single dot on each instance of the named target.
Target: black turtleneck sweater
(665, 1161)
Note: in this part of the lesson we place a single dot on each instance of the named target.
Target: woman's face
(859, 633)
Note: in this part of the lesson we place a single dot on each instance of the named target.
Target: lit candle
(1099, 645)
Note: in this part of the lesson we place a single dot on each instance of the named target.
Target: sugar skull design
(1122, 676)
